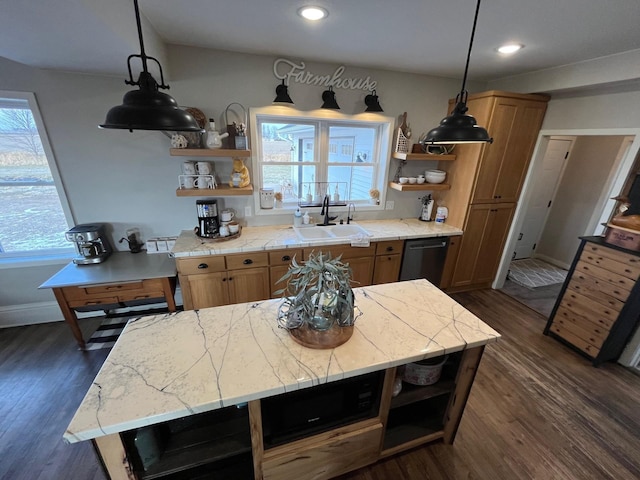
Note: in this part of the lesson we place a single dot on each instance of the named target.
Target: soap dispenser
(297, 218)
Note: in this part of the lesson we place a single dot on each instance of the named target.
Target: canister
(266, 198)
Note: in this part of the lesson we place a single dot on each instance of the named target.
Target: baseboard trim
(553, 261)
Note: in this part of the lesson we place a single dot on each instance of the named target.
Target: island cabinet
(224, 393)
(488, 178)
(599, 305)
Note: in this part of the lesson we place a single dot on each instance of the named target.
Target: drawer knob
(248, 261)
(286, 258)
(203, 266)
(389, 249)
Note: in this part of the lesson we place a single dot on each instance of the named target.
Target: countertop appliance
(424, 258)
(91, 243)
(208, 221)
(297, 414)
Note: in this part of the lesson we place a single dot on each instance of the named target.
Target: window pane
(288, 142)
(349, 144)
(288, 179)
(32, 216)
(359, 180)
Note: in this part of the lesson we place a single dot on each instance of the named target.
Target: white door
(544, 190)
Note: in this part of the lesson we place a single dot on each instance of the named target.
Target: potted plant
(318, 307)
(427, 207)
(375, 195)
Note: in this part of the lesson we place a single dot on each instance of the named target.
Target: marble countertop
(173, 365)
(283, 236)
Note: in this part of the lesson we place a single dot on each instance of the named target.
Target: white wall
(129, 179)
(591, 160)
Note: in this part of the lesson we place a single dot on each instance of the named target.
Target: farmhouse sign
(292, 72)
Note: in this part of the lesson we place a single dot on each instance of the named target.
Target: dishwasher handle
(426, 246)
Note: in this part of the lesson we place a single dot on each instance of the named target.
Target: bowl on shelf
(412, 180)
(403, 180)
(435, 176)
(421, 179)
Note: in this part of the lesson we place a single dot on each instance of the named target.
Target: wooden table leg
(169, 288)
(69, 317)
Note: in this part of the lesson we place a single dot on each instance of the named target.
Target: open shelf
(422, 156)
(221, 190)
(209, 152)
(415, 393)
(411, 187)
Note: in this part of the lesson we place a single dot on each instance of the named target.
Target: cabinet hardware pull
(203, 265)
(389, 249)
(224, 279)
(286, 258)
(248, 261)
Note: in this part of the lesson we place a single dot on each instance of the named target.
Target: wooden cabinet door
(387, 269)
(206, 290)
(514, 125)
(275, 274)
(362, 269)
(248, 284)
(482, 244)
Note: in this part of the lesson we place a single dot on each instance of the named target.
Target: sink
(334, 232)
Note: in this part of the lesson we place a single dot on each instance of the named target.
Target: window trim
(383, 146)
(45, 256)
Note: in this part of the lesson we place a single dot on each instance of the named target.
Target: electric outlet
(247, 211)
(389, 205)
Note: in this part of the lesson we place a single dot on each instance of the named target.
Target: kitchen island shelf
(413, 187)
(219, 191)
(209, 152)
(415, 393)
(422, 156)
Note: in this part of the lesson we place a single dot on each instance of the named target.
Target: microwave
(294, 415)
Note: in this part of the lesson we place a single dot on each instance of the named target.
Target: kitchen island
(182, 365)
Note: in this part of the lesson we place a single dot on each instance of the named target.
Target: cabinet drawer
(586, 330)
(616, 265)
(247, 260)
(617, 255)
(324, 460)
(198, 265)
(597, 287)
(115, 290)
(576, 341)
(574, 300)
(389, 247)
(284, 257)
(604, 274)
(584, 311)
(345, 250)
(88, 302)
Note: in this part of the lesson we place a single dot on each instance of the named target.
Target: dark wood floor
(537, 409)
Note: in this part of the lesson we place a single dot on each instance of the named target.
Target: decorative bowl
(412, 180)
(404, 179)
(435, 176)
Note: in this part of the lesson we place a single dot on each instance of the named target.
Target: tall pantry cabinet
(486, 180)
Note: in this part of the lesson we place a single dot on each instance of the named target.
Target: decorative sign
(293, 72)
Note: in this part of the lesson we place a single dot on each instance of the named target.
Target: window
(33, 207)
(306, 157)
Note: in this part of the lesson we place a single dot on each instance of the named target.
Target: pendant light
(372, 103)
(460, 127)
(282, 94)
(329, 100)
(147, 108)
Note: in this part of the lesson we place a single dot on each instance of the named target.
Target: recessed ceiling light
(313, 13)
(510, 48)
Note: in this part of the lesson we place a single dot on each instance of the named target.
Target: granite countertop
(173, 365)
(283, 236)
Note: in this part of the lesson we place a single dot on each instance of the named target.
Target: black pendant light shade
(329, 99)
(372, 103)
(460, 127)
(282, 94)
(147, 108)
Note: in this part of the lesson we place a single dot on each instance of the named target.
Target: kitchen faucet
(349, 217)
(325, 212)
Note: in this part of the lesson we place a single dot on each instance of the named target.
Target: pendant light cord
(143, 55)
(466, 67)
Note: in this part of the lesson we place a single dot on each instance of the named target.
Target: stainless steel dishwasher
(424, 258)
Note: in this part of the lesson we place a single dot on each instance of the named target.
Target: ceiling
(421, 36)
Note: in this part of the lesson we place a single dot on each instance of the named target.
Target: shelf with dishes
(220, 191)
(422, 156)
(209, 152)
(412, 187)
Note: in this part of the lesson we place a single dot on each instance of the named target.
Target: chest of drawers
(599, 305)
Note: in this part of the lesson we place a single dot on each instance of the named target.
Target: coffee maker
(91, 243)
(208, 222)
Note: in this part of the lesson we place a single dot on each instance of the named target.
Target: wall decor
(295, 72)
